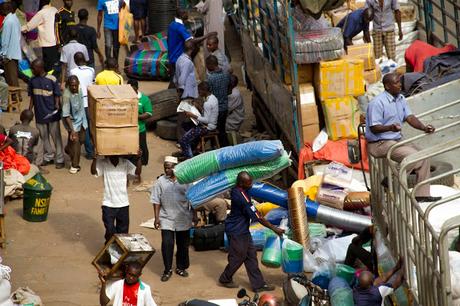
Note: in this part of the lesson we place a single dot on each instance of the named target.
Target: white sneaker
(73, 170)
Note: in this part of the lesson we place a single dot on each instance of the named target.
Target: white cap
(171, 159)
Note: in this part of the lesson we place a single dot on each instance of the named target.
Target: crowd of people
(58, 91)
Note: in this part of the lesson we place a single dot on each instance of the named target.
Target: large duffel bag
(209, 237)
(147, 65)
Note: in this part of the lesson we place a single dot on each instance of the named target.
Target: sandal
(166, 276)
(182, 273)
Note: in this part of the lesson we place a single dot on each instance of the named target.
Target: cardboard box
(357, 4)
(342, 117)
(373, 76)
(308, 108)
(113, 105)
(338, 14)
(305, 73)
(114, 119)
(339, 78)
(364, 52)
(407, 12)
(116, 141)
(310, 132)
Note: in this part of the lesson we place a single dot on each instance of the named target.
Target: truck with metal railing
(423, 233)
(266, 29)
(406, 227)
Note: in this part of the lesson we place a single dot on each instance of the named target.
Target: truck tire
(436, 168)
(164, 104)
(166, 129)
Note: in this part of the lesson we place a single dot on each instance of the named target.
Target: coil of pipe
(323, 214)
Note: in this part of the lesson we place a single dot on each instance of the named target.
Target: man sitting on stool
(206, 123)
(385, 115)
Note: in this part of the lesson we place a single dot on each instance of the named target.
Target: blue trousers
(190, 139)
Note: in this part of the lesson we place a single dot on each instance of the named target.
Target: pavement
(53, 258)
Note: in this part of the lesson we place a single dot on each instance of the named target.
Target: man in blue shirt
(177, 36)
(385, 115)
(241, 249)
(45, 100)
(372, 292)
(11, 46)
(219, 82)
(108, 10)
(355, 23)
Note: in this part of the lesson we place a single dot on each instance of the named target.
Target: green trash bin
(37, 195)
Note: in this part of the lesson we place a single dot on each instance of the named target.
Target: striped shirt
(43, 90)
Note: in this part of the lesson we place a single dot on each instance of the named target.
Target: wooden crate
(128, 248)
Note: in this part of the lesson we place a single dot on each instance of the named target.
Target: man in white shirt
(128, 291)
(115, 205)
(44, 20)
(206, 123)
(85, 75)
(68, 53)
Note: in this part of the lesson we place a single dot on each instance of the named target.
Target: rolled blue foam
(254, 152)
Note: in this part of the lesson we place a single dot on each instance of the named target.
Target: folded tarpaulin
(317, 7)
(319, 40)
(249, 153)
(331, 151)
(318, 45)
(219, 182)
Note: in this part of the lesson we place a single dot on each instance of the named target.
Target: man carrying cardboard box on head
(115, 205)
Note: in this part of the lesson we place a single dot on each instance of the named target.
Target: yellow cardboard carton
(339, 78)
(342, 117)
(364, 52)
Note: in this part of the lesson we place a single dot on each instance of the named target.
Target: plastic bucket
(340, 292)
(346, 272)
(36, 201)
(292, 257)
(271, 256)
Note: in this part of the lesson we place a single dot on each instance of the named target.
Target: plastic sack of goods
(156, 42)
(317, 45)
(147, 64)
(224, 180)
(225, 158)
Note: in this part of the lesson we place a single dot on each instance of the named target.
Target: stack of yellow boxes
(365, 52)
(338, 83)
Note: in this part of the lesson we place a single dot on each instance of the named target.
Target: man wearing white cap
(173, 215)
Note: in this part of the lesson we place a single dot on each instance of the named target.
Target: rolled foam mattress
(221, 181)
(214, 161)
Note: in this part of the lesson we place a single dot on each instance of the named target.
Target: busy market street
(229, 152)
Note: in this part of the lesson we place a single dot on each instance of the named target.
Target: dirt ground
(54, 258)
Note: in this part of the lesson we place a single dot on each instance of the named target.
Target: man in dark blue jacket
(241, 248)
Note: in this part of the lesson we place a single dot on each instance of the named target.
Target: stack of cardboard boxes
(114, 119)
(365, 52)
(337, 83)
